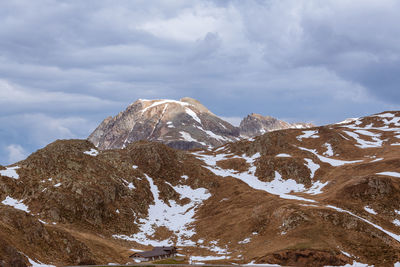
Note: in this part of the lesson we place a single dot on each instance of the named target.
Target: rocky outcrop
(256, 124)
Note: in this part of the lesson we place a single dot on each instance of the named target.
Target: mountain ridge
(184, 124)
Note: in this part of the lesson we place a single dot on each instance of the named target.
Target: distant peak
(261, 117)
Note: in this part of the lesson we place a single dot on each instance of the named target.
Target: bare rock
(256, 124)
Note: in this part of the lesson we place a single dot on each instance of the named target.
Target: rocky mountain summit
(322, 196)
(256, 124)
(183, 124)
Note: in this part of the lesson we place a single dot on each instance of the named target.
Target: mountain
(184, 124)
(326, 195)
(256, 124)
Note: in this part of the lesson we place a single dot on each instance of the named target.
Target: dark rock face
(255, 124)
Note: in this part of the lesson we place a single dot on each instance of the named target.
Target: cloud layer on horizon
(65, 66)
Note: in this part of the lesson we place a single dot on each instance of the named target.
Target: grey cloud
(15, 99)
(72, 63)
(28, 132)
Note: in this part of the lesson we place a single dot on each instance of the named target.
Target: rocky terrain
(184, 124)
(256, 124)
(326, 195)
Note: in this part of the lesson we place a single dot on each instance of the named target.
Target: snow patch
(281, 186)
(316, 188)
(207, 258)
(394, 174)
(332, 162)
(170, 124)
(38, 264)
(357, 264)
(216, 136)
(308, 134)
(312, 166)
(396, 222)
(245, 241)
(283, 155)
(278, 186)
(367, 133)
(393, 235)
(361, 143)
(131, 186)
(329, 150)
(347, 121)
(370, 210)
(260, 264)
(92, 152)
(346, 254)
(220, 148)
(174, 217)
(187, 137)
(17, 204)
(385, 115)
(163, 101)
(192, 114)
(215, 248)
(10, 172)
(394, 120)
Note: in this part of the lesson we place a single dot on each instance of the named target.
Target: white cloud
(11, 94)
(43, 129)
(188, 26)
(15, 153)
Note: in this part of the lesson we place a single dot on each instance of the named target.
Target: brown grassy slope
(282, 231)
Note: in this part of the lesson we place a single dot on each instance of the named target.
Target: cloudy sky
(66, 65)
